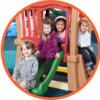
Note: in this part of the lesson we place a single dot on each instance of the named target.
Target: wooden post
(19, 36)
(76, 67)
(82, 77)
(72, 59)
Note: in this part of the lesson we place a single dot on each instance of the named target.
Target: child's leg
(31, 84)
(85, 54)
(47, 65)
(46, 68)
(93, 56)
(86, 58)
(23, 84)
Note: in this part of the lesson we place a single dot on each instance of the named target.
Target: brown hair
(85, 21)
(48, 21)
(29, 45)
(60, 19)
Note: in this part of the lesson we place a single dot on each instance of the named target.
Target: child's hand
(79, 44)
(23, 84)
(43, 37)
(57, 55)
(91, 48)
(13, 78)
(37, 52)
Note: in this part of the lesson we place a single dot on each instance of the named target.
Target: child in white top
(84, 43)
(84, 40)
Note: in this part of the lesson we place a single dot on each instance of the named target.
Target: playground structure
(29, 26)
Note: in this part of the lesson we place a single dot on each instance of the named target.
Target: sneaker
(89, 72)
(43, 77)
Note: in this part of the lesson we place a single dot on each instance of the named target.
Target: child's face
(26, 52)
(84, 27)
(60, 26)
(46, 29)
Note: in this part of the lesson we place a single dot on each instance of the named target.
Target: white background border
(8, 8)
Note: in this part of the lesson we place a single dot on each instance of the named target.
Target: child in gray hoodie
(26, 68)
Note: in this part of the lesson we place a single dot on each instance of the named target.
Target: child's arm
(91, 48)
(44, 37)
(16, 69)
(37, 53)
(40, 43)
(39, 46)
(55, 47)
(23, 84)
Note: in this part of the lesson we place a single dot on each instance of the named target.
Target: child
(60, 29)
(84, 43)
(26, 68)
(48, 48)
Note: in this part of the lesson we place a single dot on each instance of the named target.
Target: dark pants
(88, 55)
(47, 65)
(59, 46)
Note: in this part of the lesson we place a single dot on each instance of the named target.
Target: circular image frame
(50, 2)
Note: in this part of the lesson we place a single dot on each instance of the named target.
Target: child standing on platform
(48, 48)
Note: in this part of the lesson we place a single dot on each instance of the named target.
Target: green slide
(42, 87)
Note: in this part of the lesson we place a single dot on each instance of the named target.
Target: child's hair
(60, 18)
(85, 21)
(29, 45)
(48, 21)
